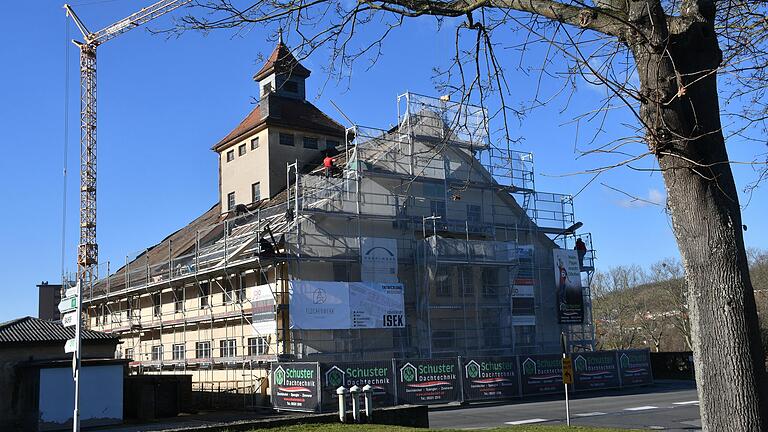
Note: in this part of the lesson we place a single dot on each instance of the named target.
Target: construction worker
(328, 165)
(581, 249)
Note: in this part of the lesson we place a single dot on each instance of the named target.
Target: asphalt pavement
(666, 405)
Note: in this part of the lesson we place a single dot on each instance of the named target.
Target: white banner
(376, 305)
(379, 260)
(318, 305)
(263, 307)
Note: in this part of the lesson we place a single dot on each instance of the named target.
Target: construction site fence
(455, 379)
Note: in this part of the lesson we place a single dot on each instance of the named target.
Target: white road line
(642, 408)
(686, 402)
(589, 414)
(522, 422)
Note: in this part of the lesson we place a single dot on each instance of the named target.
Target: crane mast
(87, 250)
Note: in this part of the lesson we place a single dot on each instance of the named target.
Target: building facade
(424, 240)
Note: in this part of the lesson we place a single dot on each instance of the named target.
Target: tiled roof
(274, 110)
(30, 329)
(282, 61)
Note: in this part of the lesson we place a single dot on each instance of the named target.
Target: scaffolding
(473, 237)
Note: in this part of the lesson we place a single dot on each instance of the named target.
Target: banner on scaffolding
(541, 374)
(296, 386)
(568, 283)
(426, 382)
(635, 367)
(595, 370)
(377, 374)
(263, 310)
(489, 378)
(379, 260)
(321, 305)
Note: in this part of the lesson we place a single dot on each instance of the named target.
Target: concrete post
(355, 392)
(368, 394)
(342, 393)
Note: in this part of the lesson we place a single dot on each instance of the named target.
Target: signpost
(72, 307)
(567, 374)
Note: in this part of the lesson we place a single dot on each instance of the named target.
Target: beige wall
(266, 164)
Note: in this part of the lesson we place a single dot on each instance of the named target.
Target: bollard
(368, 394)
(342, 392)
(355, 392)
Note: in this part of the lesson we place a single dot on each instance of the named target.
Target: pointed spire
(281, 61)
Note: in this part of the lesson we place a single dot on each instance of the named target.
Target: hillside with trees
(634, 307)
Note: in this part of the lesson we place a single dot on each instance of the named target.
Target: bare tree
(669, 275)
(614, 308)
(661, 59)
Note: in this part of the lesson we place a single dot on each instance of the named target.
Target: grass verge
(384, 428)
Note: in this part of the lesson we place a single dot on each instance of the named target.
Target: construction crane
(87, 250)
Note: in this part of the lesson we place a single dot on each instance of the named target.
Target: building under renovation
(423, 240)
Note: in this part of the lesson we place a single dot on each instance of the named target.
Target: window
(490, 281)
(178, 301)
(205, 292)
(256, 192)
(267, 88)
(523, 306)
(437, 208)
(254, 143)
(230, 156)
(444, 282)
(310, 142)
(232, 291)
(203, 350)
(230, 201)
(257, 346)
(157, 353)
(156, 305)
(331, 144)
(286, 139)
(467, 282)
(227, 348)
(178, 351)
(241, 150)
(129, 353)
(474, 214)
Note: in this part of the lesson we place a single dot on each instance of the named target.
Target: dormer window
(291, 86)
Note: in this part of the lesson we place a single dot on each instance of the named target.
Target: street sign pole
(566, 374)
(76, 357)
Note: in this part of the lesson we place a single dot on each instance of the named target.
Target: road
(669, 406)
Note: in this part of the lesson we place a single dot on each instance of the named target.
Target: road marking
(686, 403)
(642, 408)
(589, 414)
(522, 422)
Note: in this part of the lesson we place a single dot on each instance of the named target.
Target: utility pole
(88, 250)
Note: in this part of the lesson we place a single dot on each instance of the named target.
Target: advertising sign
(296, 386)
(263, 310)
(378, 374)
(568, 284)
(635, 367)
(541, 374)
(379, 260)
(489, 378)
(595, 370)
(346, 305)
(424, 382)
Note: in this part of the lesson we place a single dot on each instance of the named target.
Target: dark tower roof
(282, 62)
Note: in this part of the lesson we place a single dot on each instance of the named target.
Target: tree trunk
(683, 130)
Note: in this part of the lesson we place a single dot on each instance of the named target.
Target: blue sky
(162, 103)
